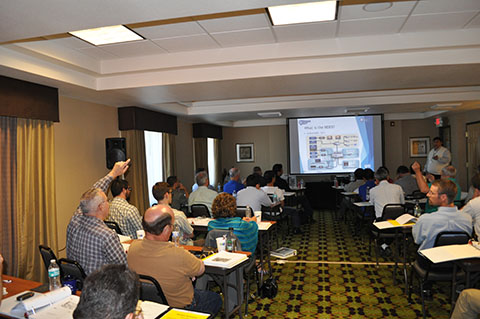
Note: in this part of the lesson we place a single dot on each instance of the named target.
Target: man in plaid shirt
(123, 213)
(89, 241)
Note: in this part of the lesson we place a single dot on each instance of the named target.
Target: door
(473, 150)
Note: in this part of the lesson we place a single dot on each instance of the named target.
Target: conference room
(220, 86)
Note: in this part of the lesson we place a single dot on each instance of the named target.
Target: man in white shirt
(202, 195)
(438, 158)
(253, 196)
(472, 208)
(384, 193)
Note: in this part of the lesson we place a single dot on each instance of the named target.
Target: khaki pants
(468, 304)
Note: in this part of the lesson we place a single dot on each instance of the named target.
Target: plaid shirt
(126, 216)
(90, 242)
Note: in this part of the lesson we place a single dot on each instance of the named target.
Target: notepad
(450, 252)
(224, 259)
(184, 314)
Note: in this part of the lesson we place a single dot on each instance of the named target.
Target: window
(154, 160)
(211, 161)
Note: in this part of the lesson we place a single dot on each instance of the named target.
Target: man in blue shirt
(233, 185)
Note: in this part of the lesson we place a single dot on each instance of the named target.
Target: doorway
(473, 149)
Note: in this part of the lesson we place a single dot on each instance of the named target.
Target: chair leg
(422, 296)
(247, 295)
(377, 251)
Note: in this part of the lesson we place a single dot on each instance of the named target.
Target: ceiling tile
(170, 30)
(440, 6)
(255, 21)
(440, 21)
(307, 31)
(71, 42)
(475, 22)
(97, 53)
(353, 12)
(244, 37)
(370, 26)
(189, 43)
(135, 48)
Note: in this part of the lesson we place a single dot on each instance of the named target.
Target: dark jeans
(205, 301)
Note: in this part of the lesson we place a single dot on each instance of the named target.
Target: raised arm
(422, 184)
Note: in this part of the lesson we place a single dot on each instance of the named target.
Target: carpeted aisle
(333, 276)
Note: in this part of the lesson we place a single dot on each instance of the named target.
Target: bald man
(173, 267)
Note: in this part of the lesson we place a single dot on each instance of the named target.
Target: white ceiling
(224, 70)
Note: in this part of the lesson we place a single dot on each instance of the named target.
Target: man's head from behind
(358, 174)
(94, 203)
(158, 222)
(442, 192)
(234, 174)
(476, 184)
(269, 177)
(171, 180)
(277, 169)
(201, 178)
(120, 187)
(224, 205)
(381, 174)
(449, 172)
(253, 180)
(257, 170)
(111, 292)
(402, 170)
(368, 174)
(161, 191)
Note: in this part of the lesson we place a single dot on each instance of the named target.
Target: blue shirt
(232, 186)
(246, 232)
(428, 226)
(362, 190)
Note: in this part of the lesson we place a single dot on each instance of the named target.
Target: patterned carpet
(333, 276)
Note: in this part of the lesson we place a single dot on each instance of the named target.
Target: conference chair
(242, 211)
(199, 210)
(114, 226)
(426, 271)
(72, 268)
(47, 255)
(150, 290)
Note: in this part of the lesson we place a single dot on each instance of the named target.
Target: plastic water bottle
(367, 197)
(248, 212)
(230, 242)
(275, 198)
(235, 194)
(176, 235)
(219, 188)
(335, 181)
(302, 183)
(54, 276)
(417, 210)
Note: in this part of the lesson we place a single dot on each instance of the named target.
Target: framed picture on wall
(245, 152)
(419, 146)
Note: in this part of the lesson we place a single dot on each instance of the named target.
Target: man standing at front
(121, 211)
(438, 158)
(446, 218)
(173, 267)
(89, 241)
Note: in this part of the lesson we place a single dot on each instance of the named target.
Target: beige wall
(184, 153)
(79, 153)
(270, 146)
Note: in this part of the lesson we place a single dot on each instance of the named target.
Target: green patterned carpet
(328, 280)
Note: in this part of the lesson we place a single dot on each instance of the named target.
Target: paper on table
(264, 225)
(184, 314)
(199, 221)
(450, 252)
(152, 310)
(125, 247)
(63, 309)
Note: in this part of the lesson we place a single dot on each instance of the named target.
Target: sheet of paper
(63, 309)
(383, 225)
(184, 314)
(404, 218)
(264, 225)
(451, 252)
(363, 204)
(199, 221)
(152, 310)
(124, 238)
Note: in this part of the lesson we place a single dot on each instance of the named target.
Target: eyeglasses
(129, 188)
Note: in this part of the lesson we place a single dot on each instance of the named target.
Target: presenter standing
(438, 158)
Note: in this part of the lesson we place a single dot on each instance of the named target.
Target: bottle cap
(52, 260)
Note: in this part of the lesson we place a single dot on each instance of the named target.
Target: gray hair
(449, 171)
(381, 174)
(201, 178)
(233, 172)
(90, 200)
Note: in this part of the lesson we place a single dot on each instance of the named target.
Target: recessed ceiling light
(357, 110)
(303, 12)
(445, 106)
(107, 35)
(269, 114)
(377, 7)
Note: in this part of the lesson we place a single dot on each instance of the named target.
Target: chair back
(199, 210)
(393, 211)
(114, 226)
(211, 238)
(72, 268)
(242, 211)
(47, 255)
(416, 195)
(150, 290)
(452, 238)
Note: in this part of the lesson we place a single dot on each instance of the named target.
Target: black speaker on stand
(116, 150)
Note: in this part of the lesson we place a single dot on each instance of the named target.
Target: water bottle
(417, 210)
(352, 177)
(275, 198)
(54, 276)
(367, 197)
(335, 181)
(176, 235)
(302, 183)
(235, 194)
(230, 242)
(219, 188)
(248, 212)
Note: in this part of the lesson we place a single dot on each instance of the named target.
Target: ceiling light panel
(303, 12)
(107, 35)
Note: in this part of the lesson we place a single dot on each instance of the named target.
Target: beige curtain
(218, 161)
(36, 206)
(137, 173)
(8, 171)
(169, 158)
(200, 153)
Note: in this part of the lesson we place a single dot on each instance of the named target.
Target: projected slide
(335, 144)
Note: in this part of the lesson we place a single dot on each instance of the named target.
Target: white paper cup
(140, 234)
(220, 243)
(258, 215)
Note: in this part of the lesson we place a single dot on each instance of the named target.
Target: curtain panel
(217, 154)
(200, 153)
(169, 155)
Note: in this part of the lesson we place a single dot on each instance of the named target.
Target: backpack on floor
(269, 288)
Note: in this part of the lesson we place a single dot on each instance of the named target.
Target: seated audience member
(173, 267)
(257, 171)
(202, 195)
(467, 305)
(364, 190)
(406, 180)
(384, 193)
(224, 209)
(274, 190)
(472, 208)
(447, 218)
(448, 173)
(124, 214)
(253, 196)
(89, 241)
(359, 181)
(195, 186)
(390, 180)
(179, 193)
(163, 194)
(279, 181)
(234, 184)
(109, 292)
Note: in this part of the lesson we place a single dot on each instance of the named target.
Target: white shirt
(385, 193)
(253, 197)
(435, 166)
(472, 208)
(274, 190)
